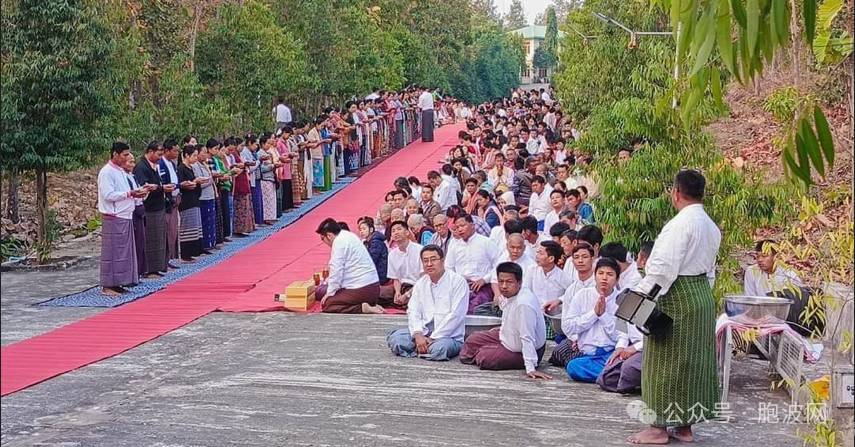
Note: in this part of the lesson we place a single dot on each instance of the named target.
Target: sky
(531, 7)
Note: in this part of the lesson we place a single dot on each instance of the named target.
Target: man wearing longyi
(679, 380)
(353, 285)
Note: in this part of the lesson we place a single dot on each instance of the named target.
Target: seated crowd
(503, 228)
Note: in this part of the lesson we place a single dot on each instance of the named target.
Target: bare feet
(652, 435)
(112, 291)
(682, 434)
(369, 309)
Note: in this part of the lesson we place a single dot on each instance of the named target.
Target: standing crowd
(183, 199)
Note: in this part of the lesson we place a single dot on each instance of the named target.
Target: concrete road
(280, 379)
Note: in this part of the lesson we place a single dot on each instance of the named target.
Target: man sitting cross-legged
(436, 312)
(590, 319)
(520, 341)
(515, 253)
(472, 256)
(404, 268)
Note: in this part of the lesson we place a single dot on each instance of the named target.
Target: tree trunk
(42, 207)
(13, 197)
(193, 34)
(796, 44)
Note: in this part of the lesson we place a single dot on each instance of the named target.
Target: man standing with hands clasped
(679, 380)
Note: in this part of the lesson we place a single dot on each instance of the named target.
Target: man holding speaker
(679, 380)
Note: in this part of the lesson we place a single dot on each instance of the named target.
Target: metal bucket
(554, 319)
(478, 323)
(757, 309)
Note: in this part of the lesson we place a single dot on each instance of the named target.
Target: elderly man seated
(590, 321)
(472, 256)
(622, 373)
(515, 253)
(353, 285)
(422, 233)
(404, 268)
(436, 313)
(521, 340)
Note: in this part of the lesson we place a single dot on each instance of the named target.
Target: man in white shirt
(472, 256)
(539, 204)
(768, 275)
(404, 268)
(629, 274)
(558, 204)
(436, 313)
(116, 203)
(514, 252)
(532, 236)
(546, 280)
(282, 113)
(591, 320)
(622, 373)
(353, 285)
(521, 340)
(425, 103)
(444, 193)
(682, 264)
(498, 234)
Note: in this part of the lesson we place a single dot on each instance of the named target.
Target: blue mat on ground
(92, 297)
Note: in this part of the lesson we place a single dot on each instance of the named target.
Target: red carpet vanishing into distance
(246, 282)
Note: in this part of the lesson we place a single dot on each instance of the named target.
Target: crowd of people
(183, 199)
(503, 228)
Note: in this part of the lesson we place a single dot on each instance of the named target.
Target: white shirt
(632, 337)
(445, 195)
(545, 97)
(591, 331)
(466, 113)
(173, 176)
(687, 246)
(538, 205)
(439, 310)
(525, 262)
(571, 292)
(546, 286)
(426, 101)
(405, 266)
(114, 192)
(630, 278)
(532, 146)
(497, 236)
(283, 113)
(551, 219)
(531, 249)
(759, 283)
(523, 327)
(351, 266)
(453, 181)
(473, 259)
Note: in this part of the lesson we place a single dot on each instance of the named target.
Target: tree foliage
(515, 17)
(53, 95)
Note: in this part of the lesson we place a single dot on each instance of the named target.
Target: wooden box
(299, 295)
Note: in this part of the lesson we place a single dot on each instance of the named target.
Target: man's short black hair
(646, 249)
(434, 248)
(529, 223)
(119, 147)
(690, 184)
(573, 192)
(433, 175)
(447, 169)
(570, 234)
(766, 245)
(538, 179)
(513, 226)
(328, 226)
(510, 267)
(557, 191)
(471, 180)
(558, 228)
(399, 192)
(591, 234)
(399, 223)
(608, 263)
(553, 249)
(583, 246)
(614, 250)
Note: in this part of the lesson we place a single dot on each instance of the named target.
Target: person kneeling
(590, 321)
(436, 312)
(353, 284)
(622, 373)
(521, 340)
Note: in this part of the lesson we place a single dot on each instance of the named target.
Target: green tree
(515, 18)
(52, 96)
(246, 58)
(550, 41)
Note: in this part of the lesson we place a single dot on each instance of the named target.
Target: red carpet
(246, 282)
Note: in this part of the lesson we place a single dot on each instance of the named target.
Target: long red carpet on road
(246, 282)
